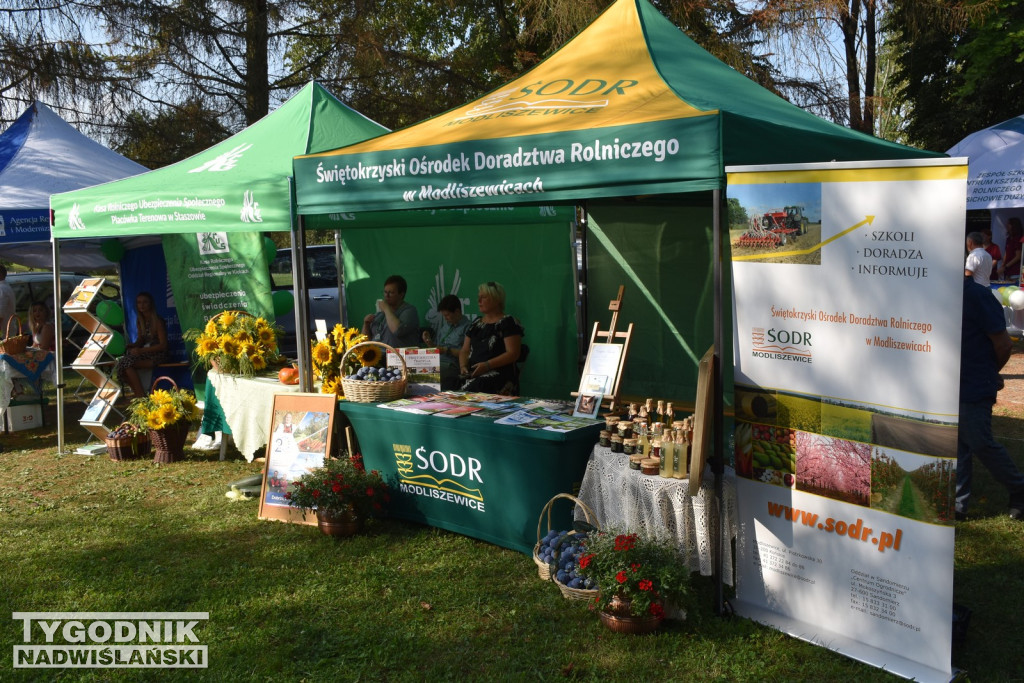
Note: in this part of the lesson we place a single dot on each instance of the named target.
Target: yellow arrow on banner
(868, 220)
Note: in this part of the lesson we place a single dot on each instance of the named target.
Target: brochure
(427, 407)
(459, 411)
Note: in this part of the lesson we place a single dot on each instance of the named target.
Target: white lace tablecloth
(248, 404)
(656, 507)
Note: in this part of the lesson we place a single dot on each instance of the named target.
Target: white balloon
(1016, 300)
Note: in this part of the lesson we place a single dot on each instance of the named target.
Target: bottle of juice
(644, 441)
(668, 452)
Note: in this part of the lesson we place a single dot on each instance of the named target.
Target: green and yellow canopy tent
(635, 123)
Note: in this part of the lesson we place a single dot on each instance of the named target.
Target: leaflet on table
(426, 407)
(491, 411)
(459, 411)
(530, 413)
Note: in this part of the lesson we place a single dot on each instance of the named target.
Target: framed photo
(587, 405)
(300, 437)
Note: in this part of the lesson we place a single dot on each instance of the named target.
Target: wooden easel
(610, 401)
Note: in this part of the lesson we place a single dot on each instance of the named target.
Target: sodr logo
(781, 344)
(110, 640)
(448, 477)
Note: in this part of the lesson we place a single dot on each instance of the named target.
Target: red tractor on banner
(773, 228)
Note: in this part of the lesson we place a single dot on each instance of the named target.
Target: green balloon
(284, 302)
(116, 345)
(110, 313)
(269, 249)
(112, 250)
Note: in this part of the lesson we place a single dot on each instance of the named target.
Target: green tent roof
(629, 106)
(240, 184)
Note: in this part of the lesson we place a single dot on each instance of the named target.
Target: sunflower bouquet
(164, 408)
(236, 343)
(328, 353)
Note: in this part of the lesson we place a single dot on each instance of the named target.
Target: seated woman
(41, 325)
(492, 345)
(149, 348)
(447, 333)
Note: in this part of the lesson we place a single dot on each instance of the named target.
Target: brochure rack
(94, 363)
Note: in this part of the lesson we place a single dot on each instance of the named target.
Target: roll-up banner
(848, 281)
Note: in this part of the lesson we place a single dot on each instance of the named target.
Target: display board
(301, 435)
(847, 281)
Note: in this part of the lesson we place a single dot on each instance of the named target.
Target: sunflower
(153, 421)
(211, 328)
(208, 346)
(322, 354)
(228, 345)
(258, 362)
(161, 397)
(266, 336)
(331, 385)
(370, 356)
(338, 335)
(353, 336)
(228, 318)
(167, 413)
(247, 349)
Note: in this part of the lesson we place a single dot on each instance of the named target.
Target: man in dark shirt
(985, 348)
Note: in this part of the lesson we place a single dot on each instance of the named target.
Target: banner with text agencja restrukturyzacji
(848, 281)
(212, 272)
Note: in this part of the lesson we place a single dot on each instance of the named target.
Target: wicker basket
(169, 442)
(363, 391)
(543, 568)
(576, 593)
(128, 447)
(17, 343)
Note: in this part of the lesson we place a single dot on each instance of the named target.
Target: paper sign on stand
(423, 368)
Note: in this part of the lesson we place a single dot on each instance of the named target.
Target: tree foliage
(44, 55)
(959, 64)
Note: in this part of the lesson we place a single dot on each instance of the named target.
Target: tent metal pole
(298, 238)
(717, 460)
(59, 350)
(339, 268)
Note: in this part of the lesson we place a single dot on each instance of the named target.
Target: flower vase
(337, 524)
(617, 617)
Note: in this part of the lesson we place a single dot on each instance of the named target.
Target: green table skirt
(470, 475)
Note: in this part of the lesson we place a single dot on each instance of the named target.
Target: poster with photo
(299, 439)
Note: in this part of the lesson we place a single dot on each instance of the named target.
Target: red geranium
(340, 485)
(649, 573)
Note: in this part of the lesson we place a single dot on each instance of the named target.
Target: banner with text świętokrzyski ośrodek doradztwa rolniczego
(848, 285)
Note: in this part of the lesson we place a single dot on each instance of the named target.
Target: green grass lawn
(400, 603)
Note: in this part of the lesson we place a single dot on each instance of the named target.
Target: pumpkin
(288, 375)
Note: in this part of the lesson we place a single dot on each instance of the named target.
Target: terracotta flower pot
(617, 618)
(338, 524)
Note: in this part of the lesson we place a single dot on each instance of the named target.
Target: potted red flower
(636, 578)
(341, 493)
